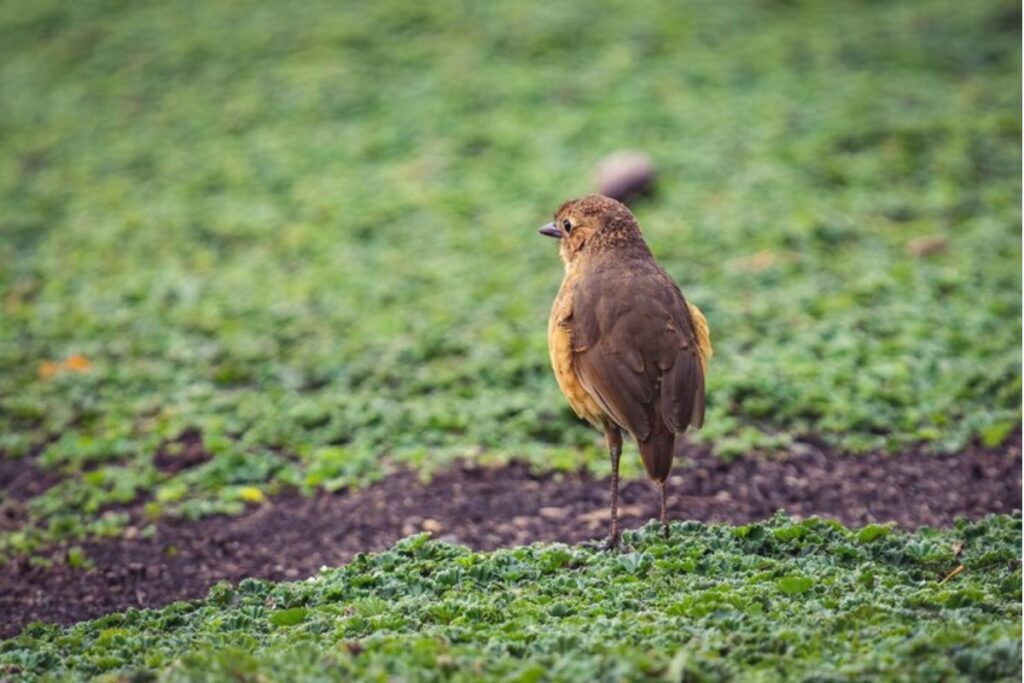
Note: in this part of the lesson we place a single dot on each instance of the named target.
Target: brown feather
(624, 395)
(657, 450)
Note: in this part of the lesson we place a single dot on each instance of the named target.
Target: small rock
(625, 175)
(521, 521)
(761, 260)
(603, 514)
(554, 513)
(927, 245)
(432, 525)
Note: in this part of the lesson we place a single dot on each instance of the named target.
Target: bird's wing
(682, 388)
(625, 395)
(635, 345)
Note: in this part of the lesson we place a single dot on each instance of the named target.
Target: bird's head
(594, 224)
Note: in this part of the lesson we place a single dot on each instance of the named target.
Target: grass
(781, 600)
(308, 230)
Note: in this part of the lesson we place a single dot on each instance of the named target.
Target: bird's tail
(658, 449)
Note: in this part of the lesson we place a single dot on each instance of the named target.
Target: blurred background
(294, 243)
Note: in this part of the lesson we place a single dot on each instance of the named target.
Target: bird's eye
(567, 225)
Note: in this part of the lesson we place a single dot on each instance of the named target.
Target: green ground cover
(308, 229)
(764, 602)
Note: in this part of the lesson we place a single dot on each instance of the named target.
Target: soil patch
(290, 537)
(21, 479)
(184, 452)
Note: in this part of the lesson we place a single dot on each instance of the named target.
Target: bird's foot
(608, 544)
(613, 542)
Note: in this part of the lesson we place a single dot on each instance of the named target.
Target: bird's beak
(551, 230)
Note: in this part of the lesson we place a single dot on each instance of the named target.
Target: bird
(628, 351)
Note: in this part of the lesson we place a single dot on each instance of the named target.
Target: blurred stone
(625, 175)
(521, 521)
(432, 525)
(927, 245)
(603, 514)
(763, 260)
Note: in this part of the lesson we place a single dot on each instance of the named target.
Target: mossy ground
(765, 602)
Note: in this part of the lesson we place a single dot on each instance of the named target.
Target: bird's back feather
(638, 352)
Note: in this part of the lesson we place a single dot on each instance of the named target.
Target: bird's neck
(598, 258)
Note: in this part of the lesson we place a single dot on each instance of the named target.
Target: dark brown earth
(190, 452)
(20, 480)
(290, 537)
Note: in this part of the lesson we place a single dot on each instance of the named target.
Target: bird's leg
(613, 437)
(664, 511)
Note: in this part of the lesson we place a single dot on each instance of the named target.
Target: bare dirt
(290, 537)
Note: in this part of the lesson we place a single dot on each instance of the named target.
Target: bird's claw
(612, 543)
(608, 544)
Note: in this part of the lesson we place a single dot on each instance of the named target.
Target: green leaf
(995, 434)
(77, 559)
(791, 532)
(795, 584)
(289, 617)
(872, 532)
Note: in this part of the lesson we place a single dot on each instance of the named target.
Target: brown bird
(628, 351)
